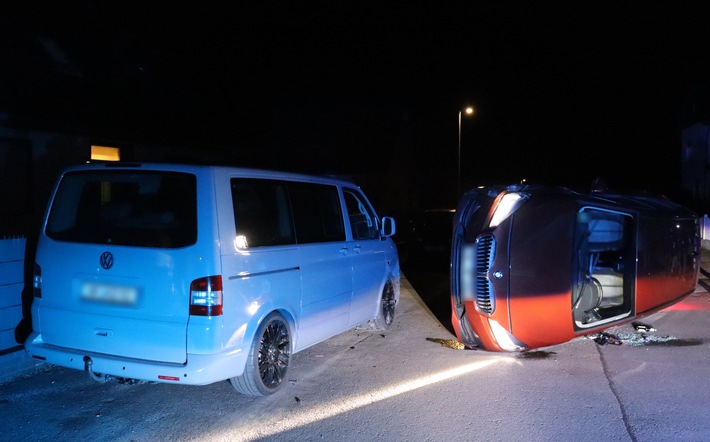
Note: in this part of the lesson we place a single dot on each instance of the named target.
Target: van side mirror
(388, 226)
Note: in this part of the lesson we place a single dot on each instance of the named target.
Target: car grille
(485, 246)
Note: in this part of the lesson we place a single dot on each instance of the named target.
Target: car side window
(363, 221)
(262, 212)
(316, 212)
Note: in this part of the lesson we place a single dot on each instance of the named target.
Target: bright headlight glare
(508, 204)
(505, 340)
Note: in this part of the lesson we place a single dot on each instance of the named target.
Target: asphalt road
(409, 384)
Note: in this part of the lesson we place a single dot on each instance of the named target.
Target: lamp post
(468, 111)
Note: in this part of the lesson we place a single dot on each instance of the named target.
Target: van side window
(363, 222)
(262, 213)
(316, 212)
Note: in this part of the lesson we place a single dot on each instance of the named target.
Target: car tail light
(37, 281)
(206, 296)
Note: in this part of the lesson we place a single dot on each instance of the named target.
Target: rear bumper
(199, 369)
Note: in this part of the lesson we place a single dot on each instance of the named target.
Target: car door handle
(104, 332)
(344, 251)
(357, 249)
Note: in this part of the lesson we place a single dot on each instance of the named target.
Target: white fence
(12, 257)
(13, 360)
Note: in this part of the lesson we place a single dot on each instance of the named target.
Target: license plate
(109, 293)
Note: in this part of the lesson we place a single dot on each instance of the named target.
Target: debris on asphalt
(448, 343)
(603, 338)
(642, 328)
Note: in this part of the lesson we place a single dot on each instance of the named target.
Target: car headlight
(505, 340)
(508, 203)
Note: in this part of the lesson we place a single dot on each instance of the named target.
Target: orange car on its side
(534, 266)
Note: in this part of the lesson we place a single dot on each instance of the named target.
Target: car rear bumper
(199, 369)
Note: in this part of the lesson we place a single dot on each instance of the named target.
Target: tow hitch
(103, 378)
(88, 367)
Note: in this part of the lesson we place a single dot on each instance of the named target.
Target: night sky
(563, 92)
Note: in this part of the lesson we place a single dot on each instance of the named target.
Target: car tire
(269, 357)
(385, 313)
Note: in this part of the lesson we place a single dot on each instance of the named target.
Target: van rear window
(130, 208)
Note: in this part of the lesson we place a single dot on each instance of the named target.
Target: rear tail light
(206, 296)
(37, 281)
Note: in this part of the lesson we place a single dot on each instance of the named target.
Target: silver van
(197, 274)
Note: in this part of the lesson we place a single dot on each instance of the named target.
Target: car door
(368, 256)
(325, 261)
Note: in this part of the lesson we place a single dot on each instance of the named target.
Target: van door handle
(105, 332)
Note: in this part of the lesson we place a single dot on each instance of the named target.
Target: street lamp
(468, 111)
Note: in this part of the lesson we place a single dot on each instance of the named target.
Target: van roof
(201, 168)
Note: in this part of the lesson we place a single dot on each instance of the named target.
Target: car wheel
(268, 360)
(385, 315)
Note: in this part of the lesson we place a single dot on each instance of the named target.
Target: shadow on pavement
(429, 275)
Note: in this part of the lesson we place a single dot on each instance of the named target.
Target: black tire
(385, 314)
(267, 365)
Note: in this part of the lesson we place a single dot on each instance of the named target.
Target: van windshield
(131, 208)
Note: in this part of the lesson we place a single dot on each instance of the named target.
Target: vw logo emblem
(106, 260)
